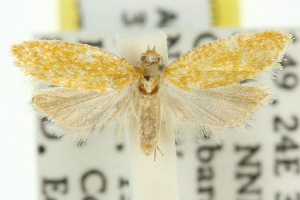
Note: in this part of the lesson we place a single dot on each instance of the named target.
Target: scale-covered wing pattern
(73, 65)
(228, 60)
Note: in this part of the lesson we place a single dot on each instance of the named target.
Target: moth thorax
(152, 67)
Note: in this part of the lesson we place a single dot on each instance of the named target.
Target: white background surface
(19, 20)
(270, 13)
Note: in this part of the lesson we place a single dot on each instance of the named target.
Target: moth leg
(159, 152)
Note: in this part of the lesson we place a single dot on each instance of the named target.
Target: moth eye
(158, 59)
(143, 58)
(161, 67)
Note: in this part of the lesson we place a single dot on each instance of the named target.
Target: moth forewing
(228, 60)
(72, 65)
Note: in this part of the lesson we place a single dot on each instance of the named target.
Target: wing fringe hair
(202, 113)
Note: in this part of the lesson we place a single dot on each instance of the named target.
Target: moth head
(150, 67)
(151, 64)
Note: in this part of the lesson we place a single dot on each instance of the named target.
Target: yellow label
(225, 12)
(69, 15)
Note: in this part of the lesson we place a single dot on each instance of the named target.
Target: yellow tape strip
(69, 15)
(225, 12)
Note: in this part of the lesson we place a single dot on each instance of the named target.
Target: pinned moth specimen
(85, 90)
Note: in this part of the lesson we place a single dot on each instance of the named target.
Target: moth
(85, 90)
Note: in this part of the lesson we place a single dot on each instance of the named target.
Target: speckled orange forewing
(228, 60)
(73, 65)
